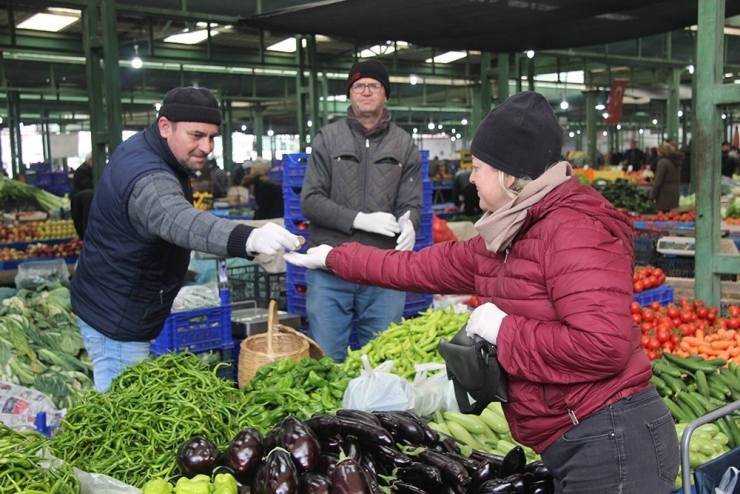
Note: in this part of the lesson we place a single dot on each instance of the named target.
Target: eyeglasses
(359, 87)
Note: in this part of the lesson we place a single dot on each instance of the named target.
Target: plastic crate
(275, 174)
(683, 267)
(427, 194)
(59, 178)
(416, 303)
(424, 232)
(292, 204)
(40, 167)
(254, 283)
(662, 294)
(60, 190)
(294, 169)
(645, 225)
(296, 226)
(643, 243)
(195, 331)
(296, 275)
(30, 177)
(43, 179)
(296, 301)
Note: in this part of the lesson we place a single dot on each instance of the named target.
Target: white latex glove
(314, 258)
(381, 223)
(407, 237)
(485, 321)
(271, 239)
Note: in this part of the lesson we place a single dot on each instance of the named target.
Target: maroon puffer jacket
(568, 342)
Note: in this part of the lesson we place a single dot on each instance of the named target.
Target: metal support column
(710, 94)
(313, 87)
(227, 137)
(16, 162)
(591, 127)
(503, 77)
(486, 88)
(259, 130)
(674, 85)
(112, 74)
(301, 91)
(93, 45)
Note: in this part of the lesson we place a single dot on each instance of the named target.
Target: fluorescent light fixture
(286, 46)
(641, 131)
(431, 125)
(376, 50)
(619, 126)
(680, 113)
(270, 132)
(573, 77)
(605, 115)
(416, 131)
(136, 62)
(448, 57)
(604, 133)
(600, 106)
(190, 37)
(655, 121)
(530, 53)
(52, 23)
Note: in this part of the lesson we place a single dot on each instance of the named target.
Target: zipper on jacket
(161, 296)
(506, 255)
(572, 416)
(367, 143)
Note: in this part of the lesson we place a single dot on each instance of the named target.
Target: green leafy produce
(733, 209)
(413, 341)
(15, 191)
(625, 194)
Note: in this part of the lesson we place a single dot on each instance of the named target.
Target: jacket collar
(380, 127)
(160, 146)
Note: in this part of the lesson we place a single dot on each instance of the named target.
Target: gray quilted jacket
(348, 173)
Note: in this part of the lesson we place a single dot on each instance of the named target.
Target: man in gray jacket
(363, 184)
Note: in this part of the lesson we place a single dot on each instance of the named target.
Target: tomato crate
(294, 169)
(662, 294)
(195, 331)
(427, 193)
(297, 300)
(292, 204)
(251, 282)
(296, 275)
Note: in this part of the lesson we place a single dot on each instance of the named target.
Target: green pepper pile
(23, 470)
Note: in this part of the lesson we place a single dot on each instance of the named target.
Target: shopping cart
(708, 475)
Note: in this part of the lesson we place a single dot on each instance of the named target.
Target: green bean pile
(22, 470)
(133, 431)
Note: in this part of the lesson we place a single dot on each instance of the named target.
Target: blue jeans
(629, 447)
(110, 357)
(332, 305)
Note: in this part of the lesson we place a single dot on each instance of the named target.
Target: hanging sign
(614, 107)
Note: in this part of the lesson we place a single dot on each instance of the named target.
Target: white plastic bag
(430, 388)
(728, 482)
(19, 407)
(378, 390)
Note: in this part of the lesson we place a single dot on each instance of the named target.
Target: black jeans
(630, 447)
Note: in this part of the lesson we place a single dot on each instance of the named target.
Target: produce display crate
(683, 267)
(275, 174)
(294, 169)
(415, 303)
(296, 301)
(427, 193)
(424, 233)
(663, 224)
(254, 283)
(644, 242)
(59, 178)
(295, 275)
(662, 294)
(292, 203)
(43, 179)
(195, 331)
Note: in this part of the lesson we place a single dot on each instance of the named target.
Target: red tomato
(683, 302)
(733, 323)
(733, 310)
(653, 355)
(635, 307)
(655, 306)
(668, 346)
(686, 316)
(647, 315)
(638, 286)
(647, 283)
(635, 278)
(702, 313)
(653, 344)
(637, 318)
(698, 303)
(663, 336)
(675, 339)
(644, 340)
(672, 312)
(657, 272)
(645, 327)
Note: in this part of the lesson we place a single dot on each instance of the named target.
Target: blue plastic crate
(43, 179)
(296, 301)
(195, 331)
(30, 177)
(40, 167)
(60, 190)
(297, 226)
(295, 275)
(418, 303)
(294, 169)
(292, 204)
(59, 178)
(424, 232)
(654, 225)
(643, 243)
(427, 194)
(662, 294)
(424, 154)
(275, 174)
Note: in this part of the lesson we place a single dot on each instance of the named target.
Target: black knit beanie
(521, 136)
(190, 104)
(372, 69)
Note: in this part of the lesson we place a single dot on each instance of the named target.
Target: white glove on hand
(381, 223)
(485, 321)
(314, 258)
(271, 239)
(407, 237)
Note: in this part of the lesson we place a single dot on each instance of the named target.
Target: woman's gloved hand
(271, 239)
(407, 237)
(485, 321)
(380, 223)
(314, 258)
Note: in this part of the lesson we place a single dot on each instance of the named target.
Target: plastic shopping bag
(378, 390)
(728, 482)
(432, 390)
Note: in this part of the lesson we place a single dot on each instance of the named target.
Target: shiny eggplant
(390, 457)
(405, 488)
(259, 483)
(271, 438)
(369, 463)
(514, 462)
(314, 483)
(245, 453)
(451, 470)
(299, 440)
(326, 464)
(485, 471)
(497, 460)
(323, 425)
(539, 470)
(497, 486)
(542, 487)
(282, 475)
(359, 415)
(197, 455)
(333, 444)
(406, 428)
(389, 423)
(368, 434)
(420, 475)
(349, 478)
(522, 482)
(352, 448)
(430, 435)
(470, 464)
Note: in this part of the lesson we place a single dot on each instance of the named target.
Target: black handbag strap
(487, 393)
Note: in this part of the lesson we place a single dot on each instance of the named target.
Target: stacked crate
(416, 302)
(294, 169)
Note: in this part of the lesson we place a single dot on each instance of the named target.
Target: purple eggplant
(245, 453)
(390, 457)
(410, 429)
(497, 460)
(352, 448)
(367, 433)
(497, 486)
(420, 475)
(539, 470)
(451, 470)
(326, 464)
(405, 488)
(470, 464)
(260, 483)
(282, 476)
(369, 463)
(349, 478)
(270, 441)
(196, 456)
(514, 462)
(542, 487)
(333, 444)
(431, 436)
(298, 439)
(323, 425)
(359, 415)
(485, 471)
(314, 483)
(522, 482)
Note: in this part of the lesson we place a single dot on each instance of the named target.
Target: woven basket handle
(272, 320)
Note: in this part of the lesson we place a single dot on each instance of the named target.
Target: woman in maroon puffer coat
(552, 266)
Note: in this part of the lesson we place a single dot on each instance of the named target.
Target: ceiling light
(680, 113)
(385, 49)
(604, 133)
(641, 131)
(464, 121)
(571, 134)
(691, 69)
(458, 135)
(431, 125)
(190, 37)
(439, 126)
(453, 131)
(136, 61)
(605, 115)
(286, 46)
(416, 131)
(157, 106)
(530, 53)
(724, 116)
(270, 133)
(619, 126)
(564, 104)
(244, 128)
(448, 57)
(453, 138)
(600, 106)
(309, 123)
(204, 25)
(728, 75)
(52, 23)
(655, 121)
(413, 80)
(578, 131)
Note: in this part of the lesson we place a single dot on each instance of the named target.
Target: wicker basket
(276, 344)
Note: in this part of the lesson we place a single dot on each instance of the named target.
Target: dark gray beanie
(521, 136)
(372, 69)
(190, 104)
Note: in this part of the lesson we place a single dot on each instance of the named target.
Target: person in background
(465, 193)
(82, 195)
(434, 167)
(730, 165)
(667, 181)
(652, 158)
(219, 180)
(685, 170)
(142, 227)
(552, 266)
(267, 195)
(239, 172)
(633, 158)
(363, 184)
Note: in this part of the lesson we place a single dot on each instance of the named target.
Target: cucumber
(732, 380)
(689, 364)
(661, 366)
(734, 431)
(659, 384)
(715, 381)
(494, 421)
(716, 394)
(461, 433)
(701, 383)
(717, 362)
(725, 429)
(730, 383)
(703, 401)
(471, 423)
(696, 409)
(675, 385)
(678, 413)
